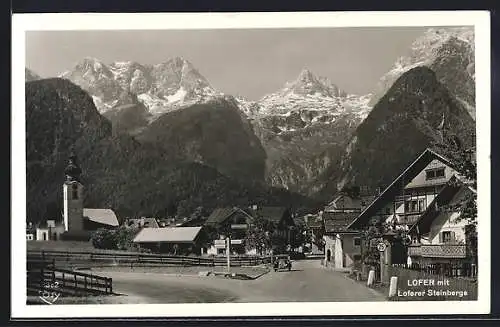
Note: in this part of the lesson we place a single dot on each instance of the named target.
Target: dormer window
(74, 189)
(435, 173)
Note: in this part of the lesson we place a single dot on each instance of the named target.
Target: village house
(314, 228)
(234, 223)
(404, 202)
(50, 230)
(226, 222)
(76, 222)
(173, 240)
(342, 245)
(439, 236)
(283, 231)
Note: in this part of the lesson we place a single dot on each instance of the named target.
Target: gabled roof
(394, 188)
(101, 216)
(167, 234)
(337, 222)
(219, 215)
(274, 214)
(452, 194)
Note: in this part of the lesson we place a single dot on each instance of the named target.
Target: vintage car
(282, 262)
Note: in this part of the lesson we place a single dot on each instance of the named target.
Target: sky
(245, 62)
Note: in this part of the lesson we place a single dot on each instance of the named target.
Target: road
(307, 282)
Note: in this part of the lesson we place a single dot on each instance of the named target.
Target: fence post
(371, 277)
(393, 286)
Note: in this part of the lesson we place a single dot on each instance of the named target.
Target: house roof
(337, 222)
(101, 216)
(401, 181)
(451, 195)
(219, 215)
(274, 214)
(167, 234)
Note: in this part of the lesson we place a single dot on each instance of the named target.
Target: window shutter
(453, 237)
(441, 237)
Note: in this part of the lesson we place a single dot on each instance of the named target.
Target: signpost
(381, 247)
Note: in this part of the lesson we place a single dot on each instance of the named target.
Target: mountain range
(119, 172)
(309, 138)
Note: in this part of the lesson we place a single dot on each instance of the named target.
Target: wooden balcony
(438, 250)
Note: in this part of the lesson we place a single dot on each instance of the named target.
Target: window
(74, 189)
(434, 173)
(421, 205)
(357, 241)
(29, 237)
(415, 205)
(447, 237)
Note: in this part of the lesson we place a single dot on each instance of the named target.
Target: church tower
(73, 197)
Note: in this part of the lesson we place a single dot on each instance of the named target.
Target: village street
(307, 282)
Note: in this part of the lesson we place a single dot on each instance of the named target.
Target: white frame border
(90, 21)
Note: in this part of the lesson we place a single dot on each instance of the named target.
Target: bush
(120, 238)
(103, 239)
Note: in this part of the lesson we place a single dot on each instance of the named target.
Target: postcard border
(26, 22)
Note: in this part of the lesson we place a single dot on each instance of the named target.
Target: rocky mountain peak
(309, 84)
(449, 52)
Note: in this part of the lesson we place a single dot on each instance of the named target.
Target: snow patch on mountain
(177, 96)
(162, 88)
(305, 102)
(446, 51)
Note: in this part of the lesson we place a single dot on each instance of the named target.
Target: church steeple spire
(73, 170)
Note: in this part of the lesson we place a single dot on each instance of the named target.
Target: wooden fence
(43, 276)
(70, 257)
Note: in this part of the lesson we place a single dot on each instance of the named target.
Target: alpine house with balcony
(411, 197)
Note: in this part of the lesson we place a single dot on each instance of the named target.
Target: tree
(103, 239)
(120, 238)
(258, 235)
(123, 238)
(377, 232)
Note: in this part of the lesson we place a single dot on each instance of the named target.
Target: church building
(76, 221)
